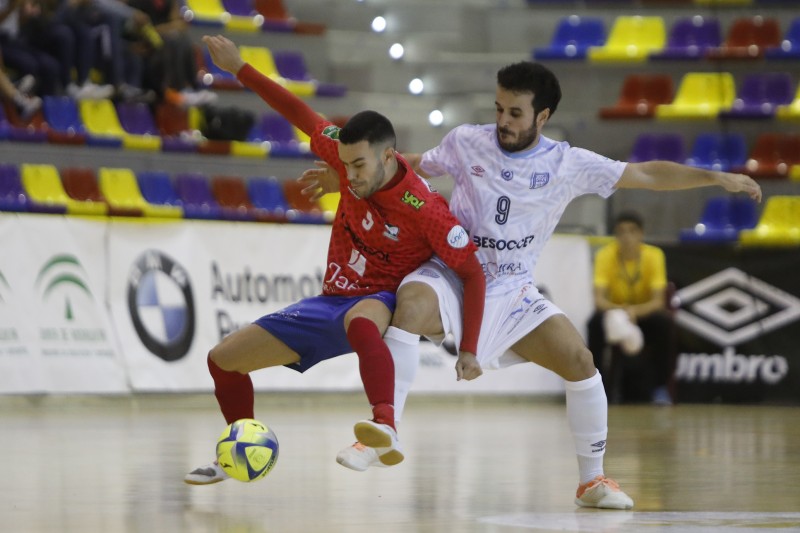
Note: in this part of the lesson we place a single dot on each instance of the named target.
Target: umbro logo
(598, 446)
(477, 171)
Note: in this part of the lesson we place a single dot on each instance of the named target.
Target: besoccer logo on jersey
(161, 305)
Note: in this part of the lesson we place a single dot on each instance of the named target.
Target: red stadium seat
(640, 95)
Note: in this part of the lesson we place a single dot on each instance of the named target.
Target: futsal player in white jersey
(511, 187)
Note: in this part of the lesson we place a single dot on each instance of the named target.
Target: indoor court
(473, 464)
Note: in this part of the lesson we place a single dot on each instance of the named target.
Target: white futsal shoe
(359, 457)
(375, 435)
(602, 493)
(206, 475)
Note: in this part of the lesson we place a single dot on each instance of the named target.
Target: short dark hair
(535, 78)
(629, 216)
(368, 126)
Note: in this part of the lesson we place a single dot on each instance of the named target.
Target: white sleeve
(590, 173)
(444, 158)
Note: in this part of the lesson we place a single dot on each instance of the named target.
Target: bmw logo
(161, 305)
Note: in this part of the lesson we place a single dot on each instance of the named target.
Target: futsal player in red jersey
(388, 224)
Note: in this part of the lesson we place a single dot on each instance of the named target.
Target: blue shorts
(314, 327)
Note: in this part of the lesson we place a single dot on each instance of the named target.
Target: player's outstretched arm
(669, 176)
(224, 53)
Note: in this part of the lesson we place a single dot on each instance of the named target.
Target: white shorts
(508, 315)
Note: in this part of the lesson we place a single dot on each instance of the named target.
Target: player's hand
(319, 181)
(224, 53)
(467, 367)
(741, 183)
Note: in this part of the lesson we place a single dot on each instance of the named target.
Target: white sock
(405, 353)
(587, 413)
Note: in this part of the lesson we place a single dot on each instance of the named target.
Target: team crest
(506, 174)
(540, 179)
(332, 132)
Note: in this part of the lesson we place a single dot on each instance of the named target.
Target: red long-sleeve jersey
(376, 241)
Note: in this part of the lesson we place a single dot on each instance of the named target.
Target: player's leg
(557, 346)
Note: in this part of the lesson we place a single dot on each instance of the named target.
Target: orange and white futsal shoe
(376, 435)
(602, 493)
(359, 457)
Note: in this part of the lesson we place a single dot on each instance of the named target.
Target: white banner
(174, 289)
(55, 278)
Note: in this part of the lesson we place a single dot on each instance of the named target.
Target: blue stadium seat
(715, 151)
(722, 219)
(572, 38)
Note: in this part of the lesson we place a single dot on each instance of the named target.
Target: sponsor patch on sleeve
(457, 237)
(332, 132)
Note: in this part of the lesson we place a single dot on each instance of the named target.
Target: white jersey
(511, 202)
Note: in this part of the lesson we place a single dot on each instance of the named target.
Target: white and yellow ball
(247, 450)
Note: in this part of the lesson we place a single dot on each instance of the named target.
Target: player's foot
(359, 457)
(603, 493)
(377, 435)
(206, 475)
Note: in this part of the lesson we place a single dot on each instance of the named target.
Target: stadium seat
(205, 13)
(748, 38)
(329, 204)
(791, 111)
(261, 59)
(173, 126)
(65, 126)
(779, 224)
(269, 202)
(292, 66)
(773, 155)
(718, 151)
(243, 16)
(302, 210)
(277, 19)
(12, 194)
(139, 125)
(120, 188)
(789, 47)
(33, 130)
(157, 190)
(102, 125)
(196, 197)
(724, 2)
(760, 95)
(280, 134)
(690, 38)
(81, 184)
(631, 39)
(639, 96)
(5, 126)
(44, 186)
(657, 147)
(572, 38)
(231, 195)
(700, 95)
(722, 219)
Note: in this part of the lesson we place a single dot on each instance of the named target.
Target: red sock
(376, 366)
(234, 392)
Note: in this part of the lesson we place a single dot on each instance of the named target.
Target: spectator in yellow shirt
(629, 295)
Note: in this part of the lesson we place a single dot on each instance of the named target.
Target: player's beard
(374, 185)
(524, 139)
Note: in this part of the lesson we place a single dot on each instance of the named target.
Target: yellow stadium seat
(261, 59)
(701, 95)
(791, 111)
(329, 204)
(100, 119)
(43, 184)
(779, 224)
(249, 149)
(121, 190)
(632, 39)
(212, 12)
(794, 173)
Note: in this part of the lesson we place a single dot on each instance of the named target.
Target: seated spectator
(629, 295)
(172, 68)
(26, 105)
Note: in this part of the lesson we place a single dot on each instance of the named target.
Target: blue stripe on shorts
(314, 327)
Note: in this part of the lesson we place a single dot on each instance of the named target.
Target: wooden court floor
(473, 464)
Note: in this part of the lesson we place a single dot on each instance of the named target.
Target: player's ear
(388, 154)
(543, 117)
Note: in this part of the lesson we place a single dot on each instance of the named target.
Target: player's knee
(417, 306)
(219, 355)
(580, 364)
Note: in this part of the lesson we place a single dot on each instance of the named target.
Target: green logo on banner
(59, 273)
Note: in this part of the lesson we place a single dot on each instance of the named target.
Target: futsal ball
(247, 450)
